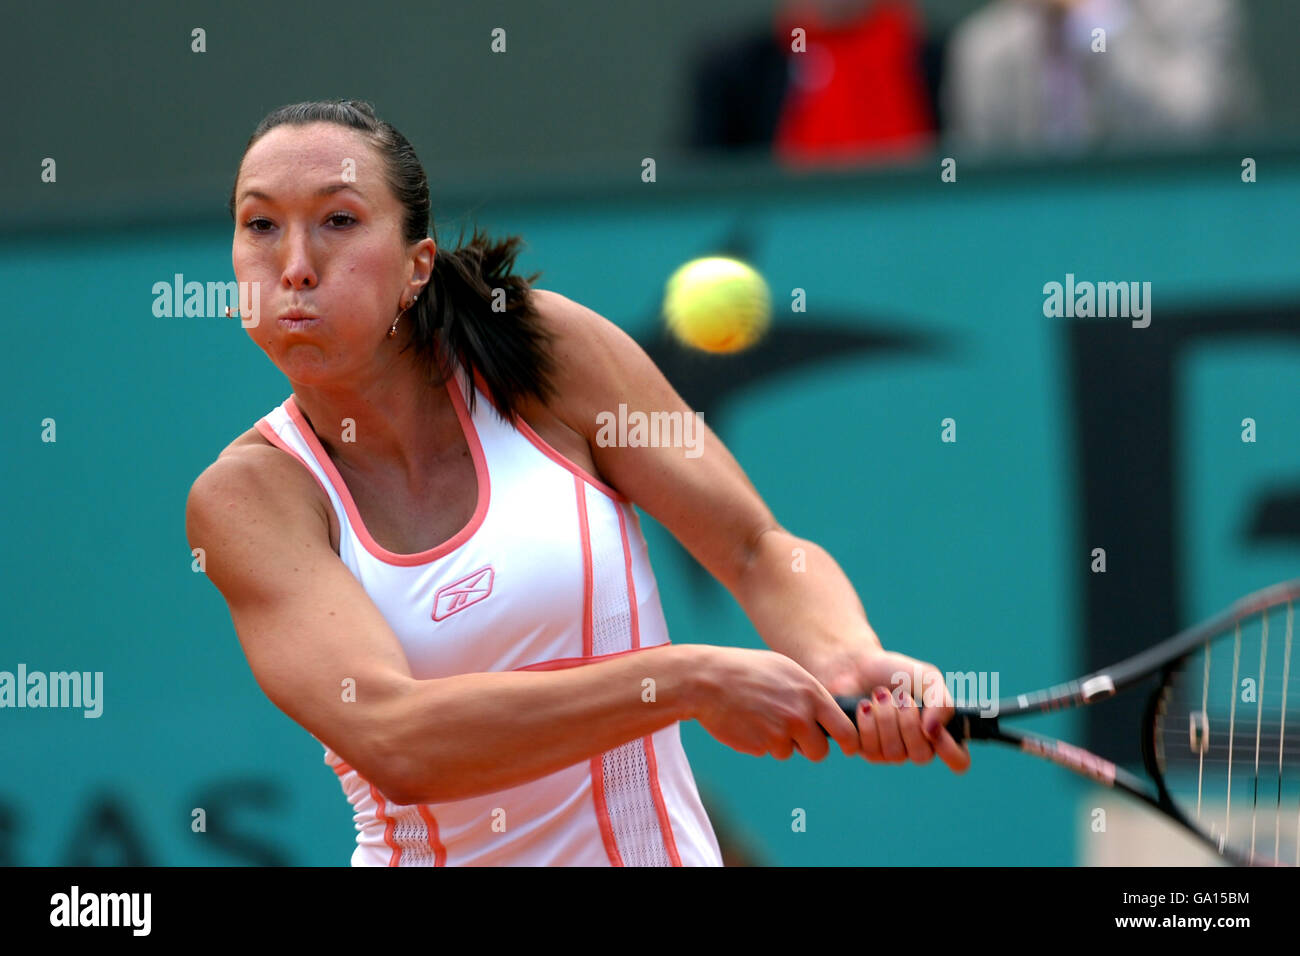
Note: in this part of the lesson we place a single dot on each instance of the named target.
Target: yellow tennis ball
(717, 304)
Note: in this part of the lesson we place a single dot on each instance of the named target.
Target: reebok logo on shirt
(464, 593)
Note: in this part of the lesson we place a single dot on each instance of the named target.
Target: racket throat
(1083, 762)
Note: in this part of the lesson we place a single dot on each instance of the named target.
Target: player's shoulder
(249, 439)
(248, 452)
(251, 468)
(584, 343)
(559, 316)
(569, 319)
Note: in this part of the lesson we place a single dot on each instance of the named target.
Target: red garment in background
(858, 90)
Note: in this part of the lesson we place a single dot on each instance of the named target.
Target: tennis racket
(1220, 734)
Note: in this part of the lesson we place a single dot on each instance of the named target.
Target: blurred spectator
(856, 91)
(1024, 73)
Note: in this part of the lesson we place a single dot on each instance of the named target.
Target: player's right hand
(890, 722)
(762, 702)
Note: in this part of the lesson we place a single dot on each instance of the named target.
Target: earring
(392, 331)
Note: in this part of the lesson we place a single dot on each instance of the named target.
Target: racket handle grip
(966, 724)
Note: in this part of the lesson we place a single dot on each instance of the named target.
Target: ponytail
(476, 313)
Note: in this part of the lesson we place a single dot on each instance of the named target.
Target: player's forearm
(803, 605)
(478, 733)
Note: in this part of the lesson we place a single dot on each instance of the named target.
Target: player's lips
(297, 319)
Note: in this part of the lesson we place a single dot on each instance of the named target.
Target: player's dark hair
(454, 314)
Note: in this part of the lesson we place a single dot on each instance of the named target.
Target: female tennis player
(435, 568)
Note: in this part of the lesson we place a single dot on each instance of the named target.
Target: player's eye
(346, 218)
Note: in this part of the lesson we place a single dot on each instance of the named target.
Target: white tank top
(552, 571)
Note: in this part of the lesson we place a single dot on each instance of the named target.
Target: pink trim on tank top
(381, 811)
(264, 428)
(602, 810)
(597, 763)
(631, 585)
(652, 764)
(588, 573)
(434, 841)
(560, 663)
(540, 443)
(354, 516)
(665, 824)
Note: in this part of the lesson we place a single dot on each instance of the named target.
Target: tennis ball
(717, 304)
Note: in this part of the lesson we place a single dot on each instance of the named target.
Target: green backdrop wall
(966, 554)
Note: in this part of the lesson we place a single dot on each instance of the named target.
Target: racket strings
(1259, 720)
(1281, 746)
(1232, 723)
(1229, 722)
